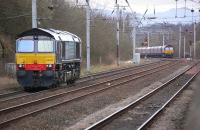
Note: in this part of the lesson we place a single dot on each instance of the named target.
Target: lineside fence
(7, 69)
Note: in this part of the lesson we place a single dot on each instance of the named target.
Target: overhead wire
(197, 2)
(132, 11)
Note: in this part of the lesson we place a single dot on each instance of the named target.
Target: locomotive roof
(55, 34)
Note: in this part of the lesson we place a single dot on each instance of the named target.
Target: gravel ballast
(183, 113)
(68, 115)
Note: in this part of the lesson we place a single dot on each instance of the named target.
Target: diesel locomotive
(47, 57)
(166, 51)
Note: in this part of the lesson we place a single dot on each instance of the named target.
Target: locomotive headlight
(49, 65)
(20, 65)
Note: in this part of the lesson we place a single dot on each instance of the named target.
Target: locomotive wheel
(28, 89)
(71, 81)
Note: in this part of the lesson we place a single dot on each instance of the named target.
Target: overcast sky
(141, 5)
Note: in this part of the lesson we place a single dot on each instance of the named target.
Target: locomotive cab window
(69, 50)
(25, 46)
(167, 49)
(45, 46)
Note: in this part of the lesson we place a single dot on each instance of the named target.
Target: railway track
(16, 112)
(113, 72)
(142, 112)
(19, 94)
(10, 94)
(60, 91)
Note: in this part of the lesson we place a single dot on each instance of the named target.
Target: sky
(140, 6)
(165, 10)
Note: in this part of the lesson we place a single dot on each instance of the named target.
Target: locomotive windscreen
(25, 46)
(45, 46)
(35, 46)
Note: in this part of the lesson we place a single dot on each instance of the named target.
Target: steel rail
(72, 91)
(4, 95)
(91, 77)
(69, 100)
(116, 71)
(81, 88)
(106, 120)
(112, 70)
(150, 120)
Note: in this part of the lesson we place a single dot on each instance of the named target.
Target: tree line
(61, 15)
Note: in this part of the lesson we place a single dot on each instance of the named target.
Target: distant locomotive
(47, 57)
(166, 51)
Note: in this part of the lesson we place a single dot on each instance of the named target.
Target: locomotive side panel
(69, 65)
